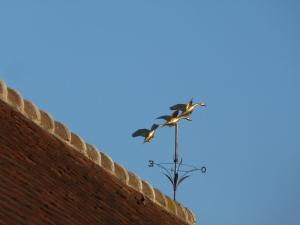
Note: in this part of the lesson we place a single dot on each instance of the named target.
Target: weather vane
(179, 172)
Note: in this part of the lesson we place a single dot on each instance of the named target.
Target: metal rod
(175, 178)
(176, 143)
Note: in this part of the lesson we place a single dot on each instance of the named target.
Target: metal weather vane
(180, 171)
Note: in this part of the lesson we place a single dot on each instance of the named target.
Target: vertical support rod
(176, 142)
(175, 178)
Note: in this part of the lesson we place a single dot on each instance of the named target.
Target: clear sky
(107, 68)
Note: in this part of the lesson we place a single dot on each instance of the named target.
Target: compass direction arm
(165, 169)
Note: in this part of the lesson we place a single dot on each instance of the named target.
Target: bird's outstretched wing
(140, 132)
(180, 107)
(154, 126)
(175, 113)
(165, 117)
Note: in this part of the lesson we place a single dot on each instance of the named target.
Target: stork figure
(147, 134)
(170, 120)
(187, 109)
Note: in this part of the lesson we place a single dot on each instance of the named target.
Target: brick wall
(45, 181)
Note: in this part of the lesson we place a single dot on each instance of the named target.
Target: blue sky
(107, 68)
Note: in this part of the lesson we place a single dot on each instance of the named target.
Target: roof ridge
(58, 129)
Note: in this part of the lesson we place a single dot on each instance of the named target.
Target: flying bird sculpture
(187, 109)
(175, 174)
(170, 120)
(147, 134)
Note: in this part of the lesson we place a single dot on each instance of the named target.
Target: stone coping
(45, 120)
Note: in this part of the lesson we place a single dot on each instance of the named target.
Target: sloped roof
(92, 178)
